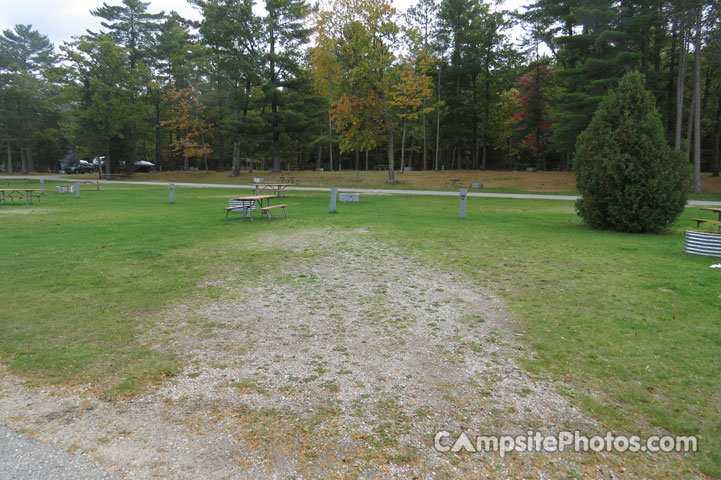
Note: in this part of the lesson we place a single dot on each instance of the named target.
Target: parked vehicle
(144, 166)
(83, 166)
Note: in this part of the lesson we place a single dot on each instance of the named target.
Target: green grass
(630, 322)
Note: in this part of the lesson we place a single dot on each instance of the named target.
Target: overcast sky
(61, 20)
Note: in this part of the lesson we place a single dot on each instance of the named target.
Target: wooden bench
(699, 221)
(266, 211)
(246, 206)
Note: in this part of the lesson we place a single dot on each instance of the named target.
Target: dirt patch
(341, 360)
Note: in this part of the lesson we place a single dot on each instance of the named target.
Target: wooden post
(172, 192)
(42, 185)
(77, 189)
(464, 194)
(333, 195)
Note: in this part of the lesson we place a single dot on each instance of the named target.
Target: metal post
(172, 192)
(77, 189)
(464, 193)
(333, 194)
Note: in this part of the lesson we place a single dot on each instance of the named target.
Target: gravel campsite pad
(342, 360)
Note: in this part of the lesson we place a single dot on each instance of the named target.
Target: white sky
(61, 20)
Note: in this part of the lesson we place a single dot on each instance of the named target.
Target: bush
(629, 178)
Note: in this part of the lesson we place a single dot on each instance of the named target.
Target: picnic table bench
(381, 167)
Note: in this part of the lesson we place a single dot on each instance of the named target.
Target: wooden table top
(255, 197)
(713, 209)
(21, 189)
(271, 184)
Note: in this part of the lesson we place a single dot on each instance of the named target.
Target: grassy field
(493, 181)
(629, 324)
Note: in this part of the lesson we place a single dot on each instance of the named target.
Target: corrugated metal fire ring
(702, 243)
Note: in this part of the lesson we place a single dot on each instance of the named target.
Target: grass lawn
(629, 324)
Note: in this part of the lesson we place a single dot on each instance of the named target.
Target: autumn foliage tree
(409, 93)
(351, 63)
(187, 119)
(532, 119)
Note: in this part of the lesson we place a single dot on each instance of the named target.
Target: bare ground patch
(340, 361)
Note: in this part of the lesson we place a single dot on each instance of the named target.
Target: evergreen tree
(629, 177)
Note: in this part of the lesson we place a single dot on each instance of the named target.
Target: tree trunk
(391, 147)
(689, 128)
(23, 158)
(158, 152)
(671, 68)
(403, 146)
(330, 141)
(366, 159)
(9, 166)
(438, 118)
(319, 157)
(425, 137)
(276, 138)
(697, 104)
(357, 163)
(107, 157)
(235, 165)
(717, 142)
(682, 60)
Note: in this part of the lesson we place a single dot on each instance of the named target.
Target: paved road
(22, 458)
(368, 191)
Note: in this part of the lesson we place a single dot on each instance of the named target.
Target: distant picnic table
(278, 188)
(454, 183)
(287, 179)
(20, 193)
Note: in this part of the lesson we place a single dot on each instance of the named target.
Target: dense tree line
(354, 84)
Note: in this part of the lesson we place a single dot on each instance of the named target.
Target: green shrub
(629, 178)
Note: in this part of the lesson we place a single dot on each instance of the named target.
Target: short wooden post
(172, 192)
(42, 185)
(333, 195)
(464, 194)
(77, 189)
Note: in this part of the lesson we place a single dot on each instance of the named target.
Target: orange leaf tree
(188, 120)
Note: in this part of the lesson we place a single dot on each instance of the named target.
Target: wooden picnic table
(248, 204)
(19, 193)
(287, 179)
(454, 183)
(381, 167)
(714, 209)
(278, 188)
